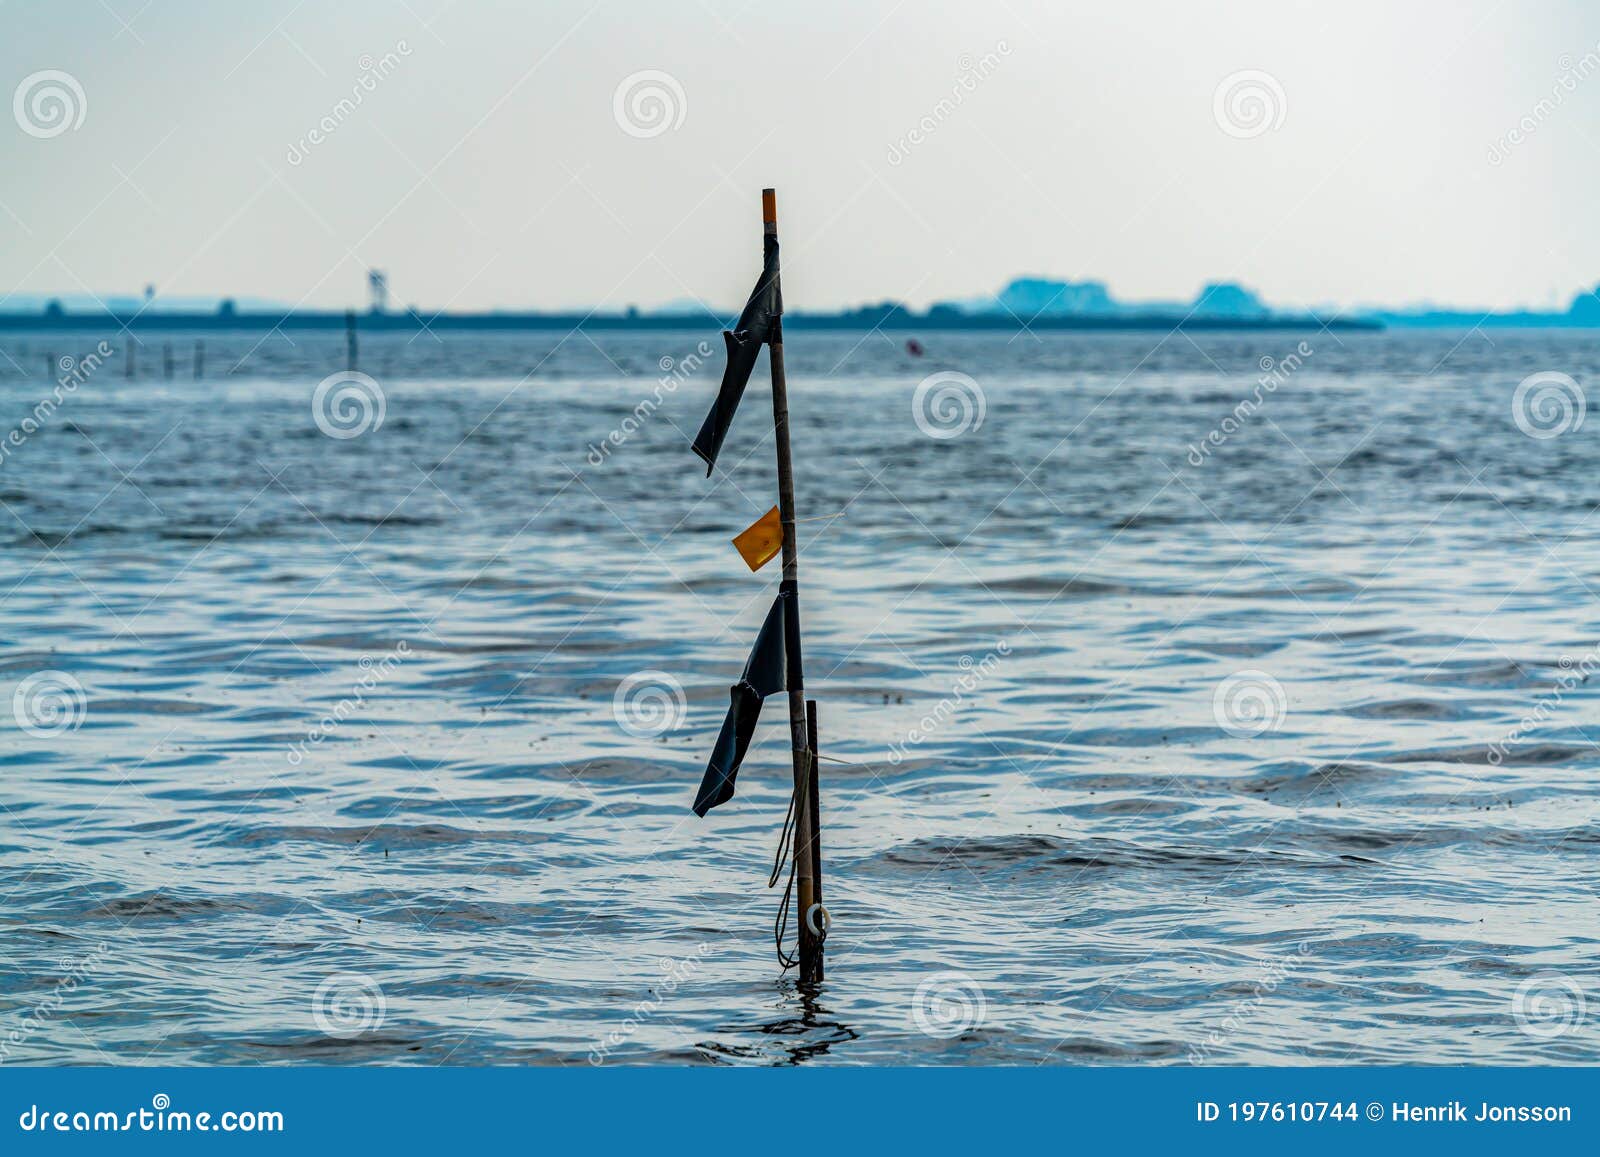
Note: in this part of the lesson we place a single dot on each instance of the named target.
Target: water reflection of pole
(814, 1027)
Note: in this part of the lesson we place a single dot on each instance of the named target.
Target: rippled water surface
(1277, 752)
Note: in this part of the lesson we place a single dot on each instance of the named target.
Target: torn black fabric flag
(763, 676)
(744, 342)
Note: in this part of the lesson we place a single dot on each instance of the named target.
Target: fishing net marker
(775, 663)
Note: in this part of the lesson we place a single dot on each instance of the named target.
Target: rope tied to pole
(817, 918)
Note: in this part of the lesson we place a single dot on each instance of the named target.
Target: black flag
(744, 343)
(763, 675)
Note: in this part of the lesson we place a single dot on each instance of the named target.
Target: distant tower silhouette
(377, 291)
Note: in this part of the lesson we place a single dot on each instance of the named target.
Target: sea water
(1184, 698)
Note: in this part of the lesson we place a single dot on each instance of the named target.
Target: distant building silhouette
(377, 291)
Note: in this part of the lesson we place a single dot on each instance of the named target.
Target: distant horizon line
(860, 320)
(1025, 301)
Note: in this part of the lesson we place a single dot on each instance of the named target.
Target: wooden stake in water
(166, 360)
(815, 917)
(807, 874)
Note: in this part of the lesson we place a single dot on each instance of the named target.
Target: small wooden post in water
(166, 360)
(816, 918)
(349, 339)
(807, 875)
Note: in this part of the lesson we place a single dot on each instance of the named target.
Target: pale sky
(489, 167)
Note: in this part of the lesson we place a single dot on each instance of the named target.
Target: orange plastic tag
(759, 543)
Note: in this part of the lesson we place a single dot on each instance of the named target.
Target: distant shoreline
(854, 322)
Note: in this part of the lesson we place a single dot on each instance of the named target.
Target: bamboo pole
(805, 874)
